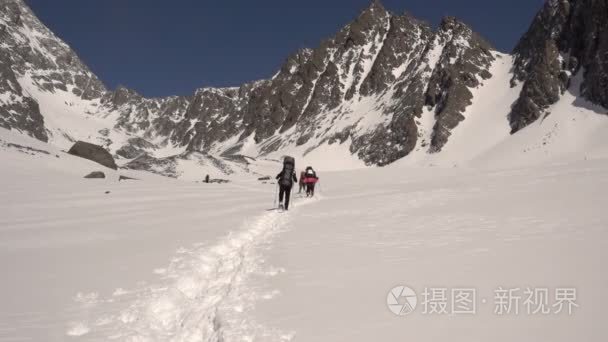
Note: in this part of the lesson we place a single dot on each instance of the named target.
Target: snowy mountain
(383, 88)
(521, 222)
(567, 38)
(164, 260)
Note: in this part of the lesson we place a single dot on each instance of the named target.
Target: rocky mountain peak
(11, 11)
(449, 23)
(122, 95)
(382, 87)
(31, 54)
(397, 62)
(565, 38)
(375, 6)
(370, 21)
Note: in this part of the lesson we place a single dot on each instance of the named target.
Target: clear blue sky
(161, 47)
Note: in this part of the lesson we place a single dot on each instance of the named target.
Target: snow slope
(65, 242)
(165, 260)
(572, 131)
(485, 123)
(445, 228)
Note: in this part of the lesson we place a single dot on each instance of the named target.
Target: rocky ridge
(365, 88)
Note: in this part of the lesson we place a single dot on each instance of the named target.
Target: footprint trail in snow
(202, 296)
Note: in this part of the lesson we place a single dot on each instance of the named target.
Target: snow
(9, 98)
(67, 116)
(196, 167)
(573, 131)
(249, 147)
(34, 39)
(323, 157)
(78, 329)
(378, 228)
(477, 140)
(177, 311)
(432, 57)
(65, 232)
(157, 259)
(165, 260)
(366, 113)
(347, 82)
(463, 40)
(169, 150)
(485, 124)
(425, 124)
(332, 157)
(397, 72)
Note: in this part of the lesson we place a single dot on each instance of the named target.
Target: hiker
(301, 183)
(286, 179)
(310, 179)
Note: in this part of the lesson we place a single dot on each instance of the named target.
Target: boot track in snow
(202, 296)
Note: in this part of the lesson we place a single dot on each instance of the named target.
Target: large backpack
(289, 165)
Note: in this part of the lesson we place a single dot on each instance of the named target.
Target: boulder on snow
(94, 153)
(219, 181)
(96, 175)
(121, 178)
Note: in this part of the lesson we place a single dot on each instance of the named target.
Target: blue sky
(161, 47)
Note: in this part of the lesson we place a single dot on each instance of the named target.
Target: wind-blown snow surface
(164, 260)
(444, 228)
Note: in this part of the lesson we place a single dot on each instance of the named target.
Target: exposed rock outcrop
(94, 153)
(566, 38)
(96, 175)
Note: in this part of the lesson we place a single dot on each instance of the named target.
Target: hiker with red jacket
(286, 178)
(310, 179)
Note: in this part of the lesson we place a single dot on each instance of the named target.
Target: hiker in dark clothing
(301, 183)
(286, 179)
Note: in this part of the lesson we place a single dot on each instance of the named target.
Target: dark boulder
(121, 178)
(95, 175)
(219, 181)
(94, 153)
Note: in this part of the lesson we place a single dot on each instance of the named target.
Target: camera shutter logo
(402, 300)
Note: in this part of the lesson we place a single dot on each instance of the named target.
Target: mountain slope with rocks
(567, 37)
(383, 88)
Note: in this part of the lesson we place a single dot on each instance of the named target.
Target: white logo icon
(402, 300)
